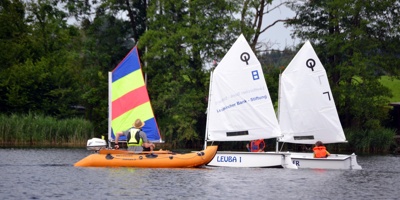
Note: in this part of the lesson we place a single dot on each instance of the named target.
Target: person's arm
(327, 153)
(116, 146)
(144, 137)
(146, 142)
(262, 146)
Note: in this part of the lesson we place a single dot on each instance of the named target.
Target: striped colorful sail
(129, 99)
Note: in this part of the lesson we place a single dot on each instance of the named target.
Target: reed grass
(38, 130)
(371, 141)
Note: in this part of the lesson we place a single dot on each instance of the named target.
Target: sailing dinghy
(240, 109)
(128, 101)
(307, 111)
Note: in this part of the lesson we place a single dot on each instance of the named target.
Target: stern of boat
(287, 162)
(354, 163)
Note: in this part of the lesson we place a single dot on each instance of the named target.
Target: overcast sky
(278, 36)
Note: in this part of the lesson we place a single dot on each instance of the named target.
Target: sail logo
(245, 57)
(228, 159)
(310, 63)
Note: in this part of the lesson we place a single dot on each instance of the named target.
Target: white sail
(240, 107)
(307, 111)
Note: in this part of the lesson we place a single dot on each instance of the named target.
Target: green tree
(36, 87)
(13, 36)
(136, 13)
(39, 80)
(131, 12)
(357, 43)
(13, 33)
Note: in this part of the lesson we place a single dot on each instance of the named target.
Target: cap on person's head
(139, 123)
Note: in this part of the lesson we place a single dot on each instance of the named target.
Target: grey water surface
(50, 174)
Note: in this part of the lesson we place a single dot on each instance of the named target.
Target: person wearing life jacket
(136, 138)
(320, 150)
(256, 146)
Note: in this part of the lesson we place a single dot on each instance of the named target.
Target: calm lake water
(50, 174)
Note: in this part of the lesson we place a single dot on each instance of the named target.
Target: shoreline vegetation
(33, 130)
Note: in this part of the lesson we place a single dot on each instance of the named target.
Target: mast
(208, 109)
(109, 108)
(279, 105)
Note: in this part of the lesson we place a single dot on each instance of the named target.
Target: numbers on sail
(310, 63)
(245, 57)
(329, 95)
(320, 78)
(255, 75)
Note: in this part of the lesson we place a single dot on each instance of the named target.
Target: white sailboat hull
(251, 159)
(334, 161)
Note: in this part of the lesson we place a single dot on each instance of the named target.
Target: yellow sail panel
(124, 85)
(125, 121)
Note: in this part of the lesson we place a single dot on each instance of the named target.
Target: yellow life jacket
(134, 138)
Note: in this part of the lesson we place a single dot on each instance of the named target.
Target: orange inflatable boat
(157, 159)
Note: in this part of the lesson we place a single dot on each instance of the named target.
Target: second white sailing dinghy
(240, 109)
(307, 111)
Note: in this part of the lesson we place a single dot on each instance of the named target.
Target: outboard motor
(95, 144)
